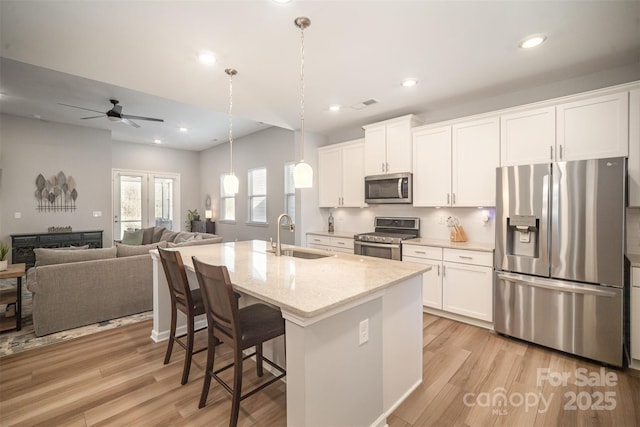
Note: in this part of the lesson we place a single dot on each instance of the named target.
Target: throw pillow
(133, 250)
(157, 234)
(168, 235)
(45, 256)
(132, 237)
(183, 236)
(147, 235)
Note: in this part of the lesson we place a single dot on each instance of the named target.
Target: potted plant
(192, 215)
(4, 251)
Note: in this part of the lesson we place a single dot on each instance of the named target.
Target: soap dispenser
(331, 229)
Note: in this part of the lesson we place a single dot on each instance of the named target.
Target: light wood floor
(117, 377)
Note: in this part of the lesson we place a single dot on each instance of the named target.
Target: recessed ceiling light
(334, 107)
(282, 1)
(157, 141)
(532, 41)
(183, 129)
(206, 57)
(409, 82)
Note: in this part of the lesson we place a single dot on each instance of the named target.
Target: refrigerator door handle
(557, 285)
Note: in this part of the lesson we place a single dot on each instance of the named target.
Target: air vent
(364, 104)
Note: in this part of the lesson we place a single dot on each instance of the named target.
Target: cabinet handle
(438, 270)
(340, 243)
(453, 197)
(316, 240)
(382, 166)
(443, 271)
(448, 198)
(561, 153)
(421, 252)
(387, 167)
(465, 257)
(551, 152)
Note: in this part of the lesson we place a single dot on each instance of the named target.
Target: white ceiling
(144, 54)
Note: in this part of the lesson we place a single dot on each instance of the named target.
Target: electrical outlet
(364, 332)
(441, 220)
(17, 215)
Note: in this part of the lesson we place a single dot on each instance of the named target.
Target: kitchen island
(353, 326)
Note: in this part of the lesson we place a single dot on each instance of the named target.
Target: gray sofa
(77, 287)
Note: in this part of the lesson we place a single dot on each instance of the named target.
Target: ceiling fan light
(303, 175)
(230, 183)
(114, 119)
(206, 57)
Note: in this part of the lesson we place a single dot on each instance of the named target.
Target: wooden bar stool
(184, 299)
(239, 328)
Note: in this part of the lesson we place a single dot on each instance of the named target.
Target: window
(227, 203)
(258, 195)
(289, 191)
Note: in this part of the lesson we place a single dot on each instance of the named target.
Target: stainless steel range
(385, 241)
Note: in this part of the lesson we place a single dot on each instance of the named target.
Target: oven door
(378, 250)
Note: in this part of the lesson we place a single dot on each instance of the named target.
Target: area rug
(12, 342)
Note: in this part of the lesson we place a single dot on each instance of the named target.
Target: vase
(4, 265)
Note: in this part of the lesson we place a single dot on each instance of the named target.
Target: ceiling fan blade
(130, 123)
(81, 108)
(151, 119)
(92, 117)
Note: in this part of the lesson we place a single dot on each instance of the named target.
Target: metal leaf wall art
(56, 194)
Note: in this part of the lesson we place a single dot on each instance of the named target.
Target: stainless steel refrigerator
(559, 258)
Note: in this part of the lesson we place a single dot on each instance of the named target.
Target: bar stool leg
(172, 335)
(187, 358)
(211, 354)
(237, 387)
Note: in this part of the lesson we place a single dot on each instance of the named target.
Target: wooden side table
(9, 296)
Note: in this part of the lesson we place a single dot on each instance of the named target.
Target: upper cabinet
(341, 175)
(593, 128)
(634, 148)
(388, 145)
(527, 136)
(589, 128)
(455, 165)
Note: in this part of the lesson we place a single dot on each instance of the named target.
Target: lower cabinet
(432, 279)
(635, 313)
(460, 281)
(330, 243)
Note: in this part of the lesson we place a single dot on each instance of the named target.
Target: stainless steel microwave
(389, 188)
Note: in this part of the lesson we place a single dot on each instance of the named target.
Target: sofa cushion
(132, 237)
(45, 256)
(168, 235)
(132, 250)
(196, 242)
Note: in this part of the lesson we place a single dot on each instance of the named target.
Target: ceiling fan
(115, 114)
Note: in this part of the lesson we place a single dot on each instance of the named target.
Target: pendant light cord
(302, 93)
(231, 73)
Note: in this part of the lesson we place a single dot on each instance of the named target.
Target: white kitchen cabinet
(635, 313)
(341, 175)
(593, 128)
(467, 283)
(388, 145)
(432, 279)
(330, 243)
(455, 165)
(527, 136)
(634, 149)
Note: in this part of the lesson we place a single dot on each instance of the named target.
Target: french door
(143, 199)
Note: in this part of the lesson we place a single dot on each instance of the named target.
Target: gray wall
(30, 147)
(270, 148)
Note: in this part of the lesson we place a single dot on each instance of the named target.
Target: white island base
(349, 363)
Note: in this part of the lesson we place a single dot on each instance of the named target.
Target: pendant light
(230, 182)
(302, 172)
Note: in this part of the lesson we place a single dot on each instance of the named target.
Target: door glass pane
(130, 203)
(163, 202)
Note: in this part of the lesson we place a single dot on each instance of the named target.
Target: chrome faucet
(291, 229)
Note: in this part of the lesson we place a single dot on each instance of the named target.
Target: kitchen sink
(303, 254)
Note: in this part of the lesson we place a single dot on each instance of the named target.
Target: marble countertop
(634, 259)
(347, 234)
(443, 243)
(304, 287)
